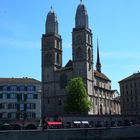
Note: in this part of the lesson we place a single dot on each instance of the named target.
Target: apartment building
(130, 94)
(20, 101)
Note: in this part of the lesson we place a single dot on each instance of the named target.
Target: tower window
(89, 39)
(57, 44)
(58, 58)
(89, 58)
(59, 102)
(48, 101)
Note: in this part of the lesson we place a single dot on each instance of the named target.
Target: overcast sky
(116, 23)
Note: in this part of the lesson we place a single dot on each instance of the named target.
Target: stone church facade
(55, 76)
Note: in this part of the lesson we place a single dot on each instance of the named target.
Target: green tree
(77, 97)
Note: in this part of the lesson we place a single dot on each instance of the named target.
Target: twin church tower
(55, 76)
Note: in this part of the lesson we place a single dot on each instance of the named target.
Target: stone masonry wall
(75, 134)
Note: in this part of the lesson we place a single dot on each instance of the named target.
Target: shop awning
(54, 123)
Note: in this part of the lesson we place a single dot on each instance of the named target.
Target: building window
(31, 106)
(0, 115)
(12, 115)
(58, 58)
(57, 44)
(89, 58)
(1, 88)
(97, 82)
(4, 115)
(4, 96)
(12, 106)
(21, 107)
(31, 115)
(13, 96)
(22, 97)
(3, 106)
(13, 88)
(30, 88)
(35, 96)
(89, 39)
(21, 116)
(48, 101)
(22, 88)
(127, 92)
(4, 88)
(30, 96)
(59, 102)
(1, 96)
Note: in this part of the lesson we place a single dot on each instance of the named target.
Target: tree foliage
(77, 97)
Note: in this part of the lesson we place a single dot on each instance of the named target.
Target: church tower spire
(98, 63)
(81, 18)
(51, 23)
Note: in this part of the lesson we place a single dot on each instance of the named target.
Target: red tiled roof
(101, 75)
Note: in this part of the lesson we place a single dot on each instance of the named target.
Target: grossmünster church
(55, 77)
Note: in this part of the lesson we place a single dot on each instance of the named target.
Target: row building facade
(130, 95)
(20, 102)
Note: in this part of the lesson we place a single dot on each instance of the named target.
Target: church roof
(51, 23)
(69, 64)
(19, 80)
(82, 8)
(131, 77)
(81, 19)
(52, 16)
(101, 75)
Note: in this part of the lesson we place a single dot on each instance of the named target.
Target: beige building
(106, 101)
(130, 96)
(20, 101)
(55, 76)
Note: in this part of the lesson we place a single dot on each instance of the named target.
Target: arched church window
(57, 44)
(58, 58)
(89, 58)
(89, 39)
(63, 81)
(79, 53)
